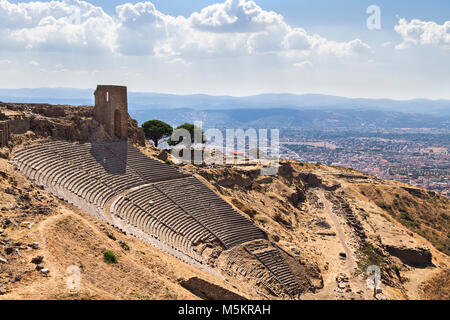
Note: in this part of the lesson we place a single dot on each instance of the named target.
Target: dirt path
(331, 251)
(351, 265)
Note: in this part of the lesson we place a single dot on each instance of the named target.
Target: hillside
(318, 211)
(334, 221)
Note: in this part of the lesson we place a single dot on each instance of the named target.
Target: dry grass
(426, 214)
(438, 287)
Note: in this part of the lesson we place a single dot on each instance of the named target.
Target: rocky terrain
(326, 217)
(337, 222)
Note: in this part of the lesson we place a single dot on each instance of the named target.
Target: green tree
(192, 129)
(156, 130)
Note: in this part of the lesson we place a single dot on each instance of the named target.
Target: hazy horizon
(231, 95)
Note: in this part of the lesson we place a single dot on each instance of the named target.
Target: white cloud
(418, 32)
(179, 61)
(234, 16)
(57, 26)
(5, 61)
(34, 63)
(327, 47)
(234, 27)
(303, 64)
(297, 39)
(140, 27)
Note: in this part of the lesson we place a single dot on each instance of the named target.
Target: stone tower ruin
(111, 110)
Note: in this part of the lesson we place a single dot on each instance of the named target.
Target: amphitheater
(154, 201)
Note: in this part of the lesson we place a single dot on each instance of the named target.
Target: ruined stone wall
(4, 133)
(111, 110)
(19, 126)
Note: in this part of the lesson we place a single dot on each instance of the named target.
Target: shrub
(369, 256)
(397, 271)
(405, 216)
(168, 162)
(110, 257)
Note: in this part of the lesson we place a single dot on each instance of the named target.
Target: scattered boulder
(163, 155)
(110, 235)
(323, 224)
(25, 197)
(275, 238)
(297, 197)
(10, 191)
(45, 271)
(311, 180)
(124, 245)
(37, 260)
(286, 171)
(341, 278)
(342, 286)
(41, 209)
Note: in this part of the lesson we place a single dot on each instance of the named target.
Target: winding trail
(335, 267)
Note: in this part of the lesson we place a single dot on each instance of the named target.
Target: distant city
(418, 158)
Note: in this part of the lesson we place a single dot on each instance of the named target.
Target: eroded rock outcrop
(61, 122)
(419, 257)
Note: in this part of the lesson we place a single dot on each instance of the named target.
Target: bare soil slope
(334, 220)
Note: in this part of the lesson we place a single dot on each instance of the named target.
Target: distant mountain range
(264, 110)
(296, 119)
(139, 100)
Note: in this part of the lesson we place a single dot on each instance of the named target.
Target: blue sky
(234, 47)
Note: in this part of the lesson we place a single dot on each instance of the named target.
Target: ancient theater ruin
(174, 211)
